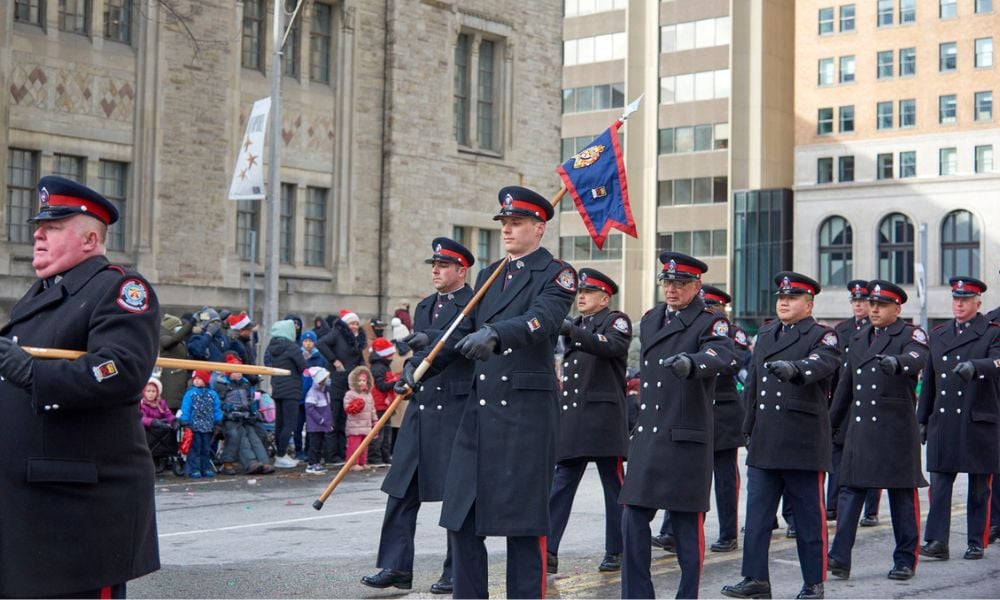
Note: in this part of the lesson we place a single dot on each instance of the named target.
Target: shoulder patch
(740, 337)
(621, 324)
(566, 279)
(105, 370)
(133, 296)
(830, 339)
(919, 336)
(534, 325)
(721, 328)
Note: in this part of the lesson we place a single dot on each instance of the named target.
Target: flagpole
(419, 373)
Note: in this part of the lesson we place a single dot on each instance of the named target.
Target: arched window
(895, 249)
(836, 254)
(959, 245)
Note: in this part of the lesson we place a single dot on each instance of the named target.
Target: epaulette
(118, 268)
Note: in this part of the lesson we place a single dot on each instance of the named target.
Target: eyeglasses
(676, 283)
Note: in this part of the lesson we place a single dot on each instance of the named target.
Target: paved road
(244, 537)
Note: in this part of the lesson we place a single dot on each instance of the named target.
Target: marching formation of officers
(503, 439)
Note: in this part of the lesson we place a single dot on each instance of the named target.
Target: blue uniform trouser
(804, 493)
(525, 563)
(689, 533)
(939, 514)
(872, 498)
(904, 508)
(399, 527)
(564, 485)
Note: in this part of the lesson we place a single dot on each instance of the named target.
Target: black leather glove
(15, 364)
(888, 364)
(746, 440)
(478, 345)
(965, 369)
(566, 327)
(681, 364)
(784, 370)
(418, 340)
(159, 424)
(406, 380)
(923, 433)
(401, 347)
(213, 327)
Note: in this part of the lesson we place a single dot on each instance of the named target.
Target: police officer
(593, 420)
(77, 515)
(846, 330)
(874, 403)
(684, 347)
(994, 535)
(428, 430)
(501, 466)
(959, 410)
(788, 428)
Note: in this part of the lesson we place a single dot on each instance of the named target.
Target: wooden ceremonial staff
(419, 373)
(168, 363)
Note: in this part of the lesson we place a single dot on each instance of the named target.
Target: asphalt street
(259, 537)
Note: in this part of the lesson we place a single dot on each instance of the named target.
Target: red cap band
(966, 286)
(679, 268)
(598, 283)
(72, 201)
(453, 254)
(528, 206)
(888, 294)
(715, 298)
(801, 286)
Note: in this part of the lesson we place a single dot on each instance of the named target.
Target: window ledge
(480, 152)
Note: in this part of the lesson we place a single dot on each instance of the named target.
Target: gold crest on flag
(588, 156)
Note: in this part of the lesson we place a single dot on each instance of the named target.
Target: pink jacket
(361, 423)
(160, 411)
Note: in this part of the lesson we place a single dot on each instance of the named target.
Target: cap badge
(583, 277)
(877, 290)
(437, 248)
(43, 198)
(857, 288)
(508, 201)
(960, 285)
(786, 283)
(672, 266)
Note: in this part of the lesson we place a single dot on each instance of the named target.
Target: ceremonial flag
(248, 177)
(595, 179)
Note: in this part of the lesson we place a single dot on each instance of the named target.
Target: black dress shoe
(869, 521)
(837, 568)
(442, 586)
(665, 541)
(901, 572)
(722, 545)
(811, 590)
(790, 532)
(389, 578)
(973, 553)
(935, 549)
(831, 515)
(994, 535)
(748, 588)
(551, 563)
(612, 562)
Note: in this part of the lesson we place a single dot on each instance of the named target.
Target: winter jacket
(341, 344)
(173, 332)
(384, 380)
(158, 411)
(319, 416)
(201, 409)
(297, 320)
(284, 353)
(361, 423)
(236, 398)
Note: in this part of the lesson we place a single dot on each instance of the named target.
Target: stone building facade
(400, 121)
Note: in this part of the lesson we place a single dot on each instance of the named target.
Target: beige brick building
(400, 122)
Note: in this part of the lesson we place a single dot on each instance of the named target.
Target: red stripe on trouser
(701, 545)
(916, 517)
(621, 470)
(736, 465)
(106, 592)
(822, 519)
(989, 502)
(542, 540)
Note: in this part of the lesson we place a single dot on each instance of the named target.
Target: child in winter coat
(202, 412)
(382, 351)
(360, 409)
(319, 421)
(157, 420)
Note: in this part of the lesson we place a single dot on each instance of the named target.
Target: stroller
(165, 448)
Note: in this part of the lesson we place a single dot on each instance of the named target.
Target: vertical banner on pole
(248, 176)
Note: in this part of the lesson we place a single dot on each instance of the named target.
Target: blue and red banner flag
(595, 179)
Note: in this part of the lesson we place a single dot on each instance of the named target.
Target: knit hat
(318, 374)
(205, 376)
(159, 385)
(284, 329)
(383, 347)
(239, 321)
(309, 335)
(347, 316)
(170, 322)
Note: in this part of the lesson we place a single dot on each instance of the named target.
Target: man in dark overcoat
(846, 330)
(788, 427)
(994, 535)
(593, 417)
(429, 425)
(875, 404)
(684, 347)
(77, 517)
(501, 467)
(960, 410)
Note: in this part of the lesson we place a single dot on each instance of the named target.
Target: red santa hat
(205, 376)
(347, 316)
(239, 321)
(383, 347)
